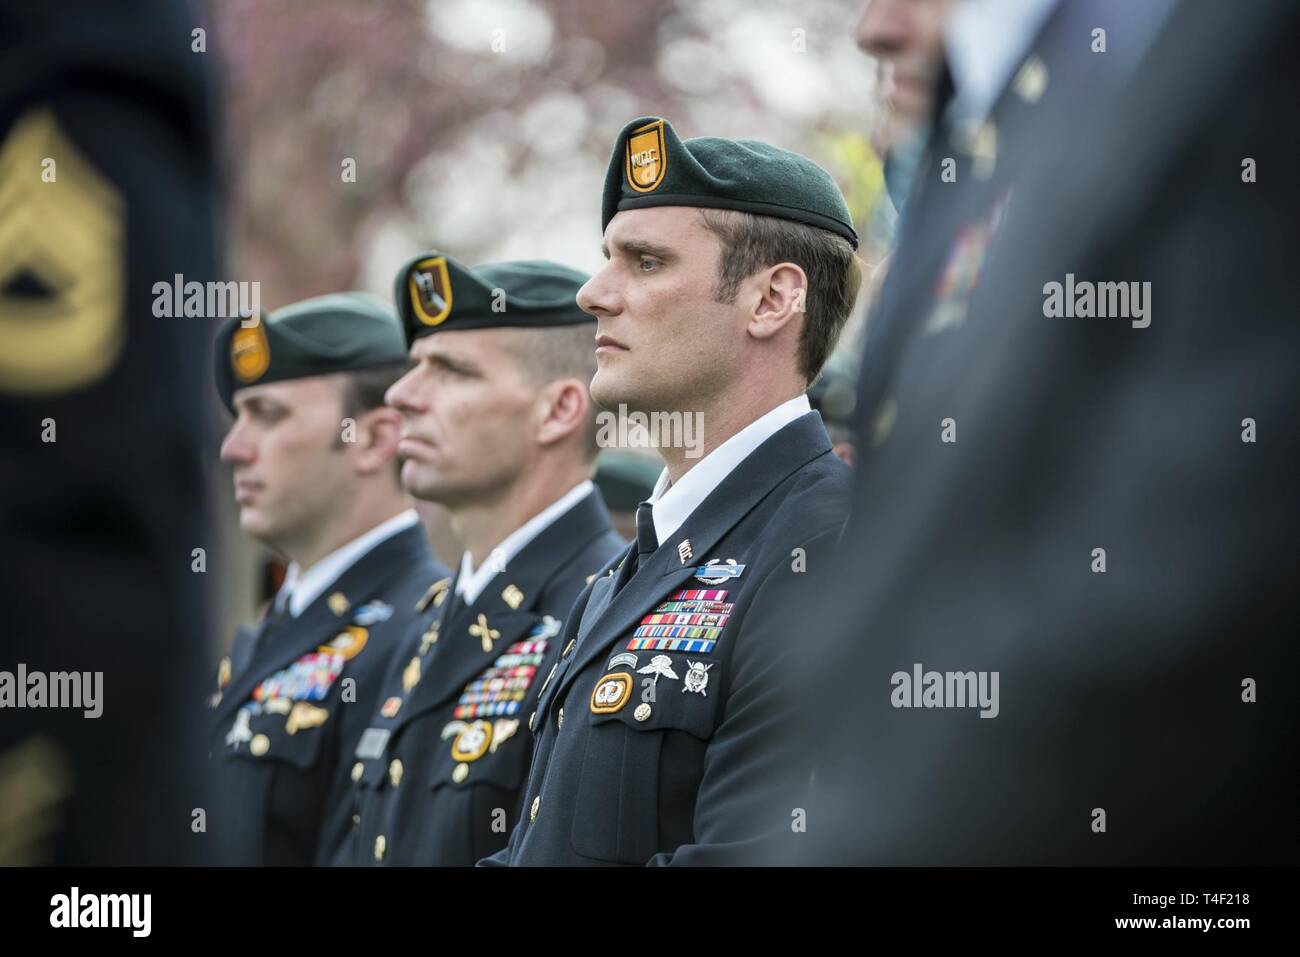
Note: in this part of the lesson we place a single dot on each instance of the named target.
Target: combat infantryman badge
(714, 572)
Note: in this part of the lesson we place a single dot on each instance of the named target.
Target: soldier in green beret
(663, 737)
(498, 428)
(313, 450)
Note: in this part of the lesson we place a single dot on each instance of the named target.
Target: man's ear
(563, 408)
(779, 295)
(377, 433)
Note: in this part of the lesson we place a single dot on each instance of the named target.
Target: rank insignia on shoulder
(347, 642)
(338, 603)
(304, 716)
(611, 693)
(435, 591)
(371, 613)
(715, 572)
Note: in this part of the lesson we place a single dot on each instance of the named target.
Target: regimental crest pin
(430, 289)
(646, 159)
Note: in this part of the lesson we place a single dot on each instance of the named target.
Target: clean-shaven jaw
(287, 468)
(465, 407)
(663, 341)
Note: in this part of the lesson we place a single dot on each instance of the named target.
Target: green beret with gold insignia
(434, 293)
(652, 166)
(341, 332)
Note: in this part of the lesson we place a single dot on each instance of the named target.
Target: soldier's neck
(485, 523)
(330, 536)
(702, 432)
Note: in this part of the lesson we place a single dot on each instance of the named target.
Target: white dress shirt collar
(471, 581)
(301, 588)
(674, 502)
(986, 40)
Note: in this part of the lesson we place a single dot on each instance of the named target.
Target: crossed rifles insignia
(484, 632)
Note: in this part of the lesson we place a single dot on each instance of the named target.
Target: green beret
(652, 166)
(342, 332)
(434, 293)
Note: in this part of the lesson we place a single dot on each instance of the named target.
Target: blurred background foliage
(483, 127)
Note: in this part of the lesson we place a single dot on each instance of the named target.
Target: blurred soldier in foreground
(1063, 628)
(314, 454)
(498, 427)
(662, 731)
(106, 186)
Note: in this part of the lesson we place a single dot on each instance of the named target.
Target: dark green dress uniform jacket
(285, 724)
(664, 741)
(438, 776)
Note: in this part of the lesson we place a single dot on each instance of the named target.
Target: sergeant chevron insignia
(63, 245)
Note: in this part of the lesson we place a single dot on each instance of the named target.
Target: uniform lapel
(292, 638)
(459, 655)
(791, 448)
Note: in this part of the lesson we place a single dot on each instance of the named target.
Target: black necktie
(646, 543)
(646, 539)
